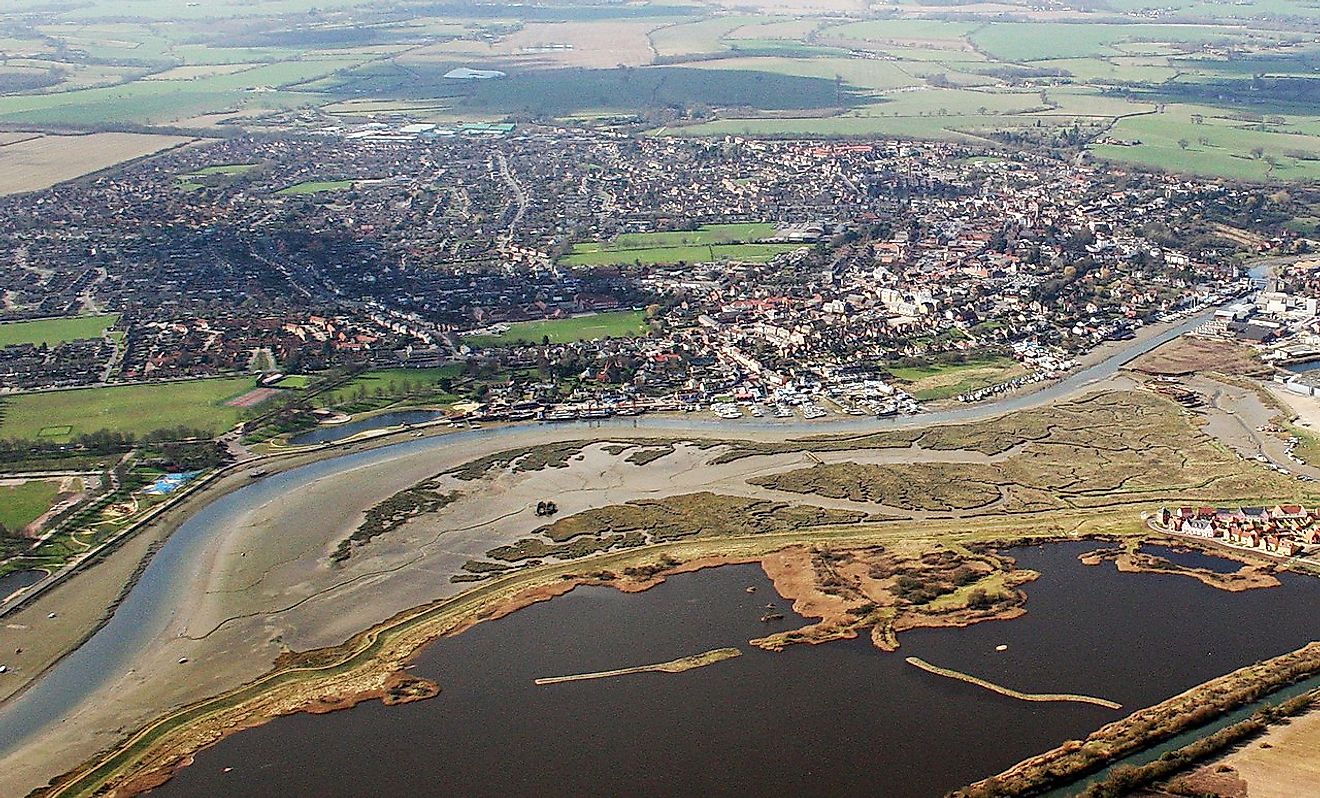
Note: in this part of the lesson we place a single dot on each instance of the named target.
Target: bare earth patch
(42, 162)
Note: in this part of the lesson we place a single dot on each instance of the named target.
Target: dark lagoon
(1192, 558)
(13, 582)
(836, 719)
(337, 432)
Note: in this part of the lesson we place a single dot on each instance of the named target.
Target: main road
(162, 594)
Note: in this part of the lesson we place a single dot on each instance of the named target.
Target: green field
(223, 169)
(316, 187)
(616, 324)
(295, 381)
(750, 253)
(162, 101)
(391, 383)
(706, 234)
(944, 380)
(134, 409)
(55, 331)
(706, 243)
(22, 504)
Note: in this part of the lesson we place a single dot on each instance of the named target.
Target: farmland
(617, 324)
(1127, 84)
(42, 161)
(55, 331)
(130, 409)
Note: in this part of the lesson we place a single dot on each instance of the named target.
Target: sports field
(22, 504)
(706, 243)
(135, 409)
(55, 331)
(316, 187)
(616, 324)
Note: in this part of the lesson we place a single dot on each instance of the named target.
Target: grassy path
(673, 666)
(1010, 692)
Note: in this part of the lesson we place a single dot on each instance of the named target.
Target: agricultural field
(42, 161)
(55, 331)
(615, 324)
(131, 409)
(1125, 83)
(23, 503)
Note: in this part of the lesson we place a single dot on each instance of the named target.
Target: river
(161, 591)
(837, 719)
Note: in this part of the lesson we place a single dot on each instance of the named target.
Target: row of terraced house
(1285, 529)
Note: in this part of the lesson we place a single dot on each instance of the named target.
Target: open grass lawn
(296, 381)
(695, 253)
(616, 324)
(941, 380)
(54, 331)
(706, 234)
(316, 187)
(136, 409)
(224, 169)
(422, 380)
(22, 504)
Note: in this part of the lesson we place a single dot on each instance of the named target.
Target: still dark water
(10, 583)
(1192, 558)
(337, 432)
(829, 720)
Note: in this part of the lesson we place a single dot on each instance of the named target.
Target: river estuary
(836, 719)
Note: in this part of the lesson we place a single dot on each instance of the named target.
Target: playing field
(22, 504)
(135, 409)
(707, 243)
(54, 331)
(316, 187)
(617, 324)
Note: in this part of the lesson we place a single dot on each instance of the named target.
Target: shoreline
(1192, 709)
(343, 675)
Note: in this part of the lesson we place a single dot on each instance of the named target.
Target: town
(564, 273)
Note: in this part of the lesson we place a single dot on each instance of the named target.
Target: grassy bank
(1147, 727)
